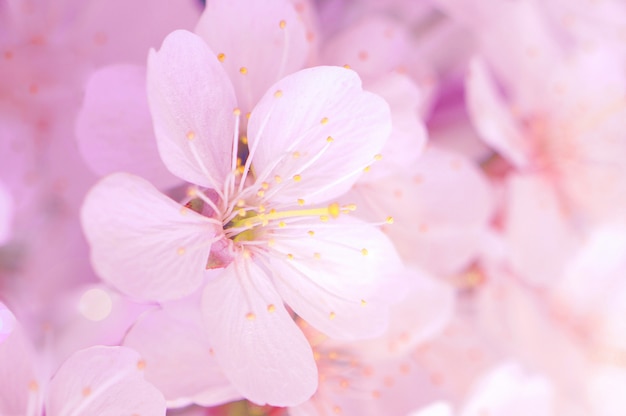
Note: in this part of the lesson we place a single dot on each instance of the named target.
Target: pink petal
(7, 322)
(534, 209)
(266, 50)
(114, 127)
(19, 384)
(142, 242)
(374, 46)
(440, 212)
(423, 314)
(255, 340)
(606, 390)
(106, 32)
(175, 348)
(338, 279)
(106, 381)
(192, 101)
(6, 214)
(508, 391)
(317, 123)
(493, 120)
(435, 409)
(408, 137)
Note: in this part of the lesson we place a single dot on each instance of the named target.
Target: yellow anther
(243, 70)
(241, 212)
(250, 316)
(271, 308)
(278, 94)
(261, 208)
(33, 386)
(241, 203)
(389, 220)
(364, 251)
(332, 315)
(324, 121)
(141, 364)
(271, 242)
(239, 161)
(191, 135)
(86, 391)
(221, 57)
(350, 207)
(184, 211)
(297, 178)
(378, 157)
(244, 139)
(334, 210)
(363, 303)
(261, 193)
(317, 256)
(301, 202)
(311, 233)
(248, 114)
(295, 155)
(333, 354)
(367, 168)
(272, 211)
(290, 256)
(237, 112)
(246, 254)
(282, 224)
(347, 66)
(329, 139)
(323, 218)
(278, 179)
(180, 251)
(282, 24)
(265, 185)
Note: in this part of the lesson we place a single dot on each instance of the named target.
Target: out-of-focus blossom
(6, 214)
(7, 322)
(371, 376)
(505, 391)
(114, 127)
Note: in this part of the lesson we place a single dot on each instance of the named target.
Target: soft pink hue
(104, 381)
(441, 209)
(7, 322)
(270, 252)
(98, 380)
(6, 214)
(507, 390)
(127, 243)
(174, 343)
(257, 43)
(114, 126)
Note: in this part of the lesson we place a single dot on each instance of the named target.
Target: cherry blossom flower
(97, 380)
(268, 218)
(505, 390)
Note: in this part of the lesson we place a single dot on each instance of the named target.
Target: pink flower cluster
(311, 208)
